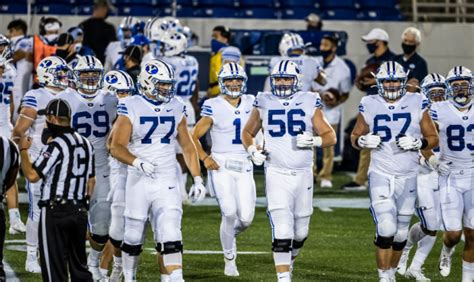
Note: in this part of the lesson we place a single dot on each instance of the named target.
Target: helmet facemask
(162, 91)
(233, 86)
(89, 81)
(392, 89)
(436, 94)
(61, 76)
(460, 92)
(283, 86)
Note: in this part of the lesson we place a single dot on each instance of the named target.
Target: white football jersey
(146, 58)
(113, 58)
(389, 121)
(93, 118)
(456, 134)
(227, 123)
(186, 69)
(154, 129)
(37, 99)
(282, 121)
(6, 86)
(309, 68)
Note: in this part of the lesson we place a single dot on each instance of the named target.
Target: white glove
(147, 168)
(197, 192)
(409, 143)
(257, 155)
(369, 141)
(442, 167)
(307, 140)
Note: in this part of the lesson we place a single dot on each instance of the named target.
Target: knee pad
(134, 231)
(99, 239)
(171, 247)
(115, 243)
(245, 224)
(133, 250)
(281, 245)
(383, 242)
(398, 246)
(298, 244)
(384, 213)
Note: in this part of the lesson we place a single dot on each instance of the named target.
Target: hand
(369, 141)
(307, 140)
(197, 192)
(25, 143)
(409, 143)
(258, 157)
(210, 163)
(147, 168)
(440, 166)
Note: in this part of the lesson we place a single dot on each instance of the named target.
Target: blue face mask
(216, 45)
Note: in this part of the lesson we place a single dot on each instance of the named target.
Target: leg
(34, 194)
(77, 257)
(132, 247)
(468, 220)
(303, 211)
(2, 241)
(363, 168)
(16, 225)
(325, 175)
(246, 198)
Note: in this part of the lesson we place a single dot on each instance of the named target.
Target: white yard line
(10, 274)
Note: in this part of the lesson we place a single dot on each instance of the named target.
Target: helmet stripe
(168, 68)
(231, 65)
(280, 66)
(286, 64)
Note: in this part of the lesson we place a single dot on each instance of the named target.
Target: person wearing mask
(132, 57)
(333, 94)
(413, 63)
(78, 36)
(313, 22)
(377, 45)
(65, 47)
(97, 32)
(220, 39)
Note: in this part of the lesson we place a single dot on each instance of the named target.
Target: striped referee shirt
(65, 165)
(10, 163)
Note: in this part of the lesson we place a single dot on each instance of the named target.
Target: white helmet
(7, 51)
(174, 44)
(433, 86)
(460, 95)
(173, 24)
(391, 71)
(131, 24)
(53, 71)
(153, 73)
(88, 64)
(231, 71)
(189, 36)
(155, 29)
(119, 82)
(290, 42)
(285, 69)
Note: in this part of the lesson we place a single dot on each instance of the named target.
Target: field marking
(208, 252)
(9, 273)
(326, 209)
(18, 241)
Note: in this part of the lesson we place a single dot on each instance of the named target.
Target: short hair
(413, 30)
(18, 24)
(225, 32)
(334, 38)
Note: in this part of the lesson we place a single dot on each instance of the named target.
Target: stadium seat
(259, 13)
(163, 12)
(218, 12)
(338, 4)
(187, 2)
(340, 14)
(260, 3)
(136, 10)
(13, 8)
(388, 4)
(183, 11)
(54, 9)
(297, 13)
(84, 10)
(217, 3)
(139, 2)
(48, 2)
(352, 68)
(381, 15)
(297, 3)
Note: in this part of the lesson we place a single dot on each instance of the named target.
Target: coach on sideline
(66, 165)
(9, 166)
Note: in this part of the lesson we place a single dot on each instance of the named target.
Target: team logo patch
(464, 118)
(151, 69)
(391, 107)
(90, 105)
(286, 104)
(237, 112)
(46, 63)
(111, 79)
(157, 110)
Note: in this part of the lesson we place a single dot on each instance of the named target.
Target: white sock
(164, 277)
(130, 264)
(176, 275)
(467, 271)
(424, 248)
(14, 215)
(385, 273)
(282, 258)
(31, 252)
(104, 271)
(227, 235)
(447, 251)
(284, 276)
(415, 234)
(94, 257)
(32, 234)
(117, 261)
(295, 252)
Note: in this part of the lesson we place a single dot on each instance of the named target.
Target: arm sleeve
(29, 101)
(124, 110)
(206, 110)
(47, 159)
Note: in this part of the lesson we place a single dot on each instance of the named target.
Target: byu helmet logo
(46, 63)
(111, 79)
(151, 69)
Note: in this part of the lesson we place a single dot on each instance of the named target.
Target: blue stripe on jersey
(361, 108)
(29, 103)
(425, 104)
(207, 111)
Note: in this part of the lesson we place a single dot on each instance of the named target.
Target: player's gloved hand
(197, 192)
(258, 157)
(147, 168)
(440, 166)
(369, 141)
(409, 143)
(307, 140)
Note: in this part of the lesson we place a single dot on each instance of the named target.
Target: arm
(203, 126)
(195, 99)
(26, 165)
(321, 79)
(189, 150)
(119, 144)
(25, 120)
(254, 124)
(90, 186)
(324, 130)
(361, 128)
(12, 172)
(429, 132)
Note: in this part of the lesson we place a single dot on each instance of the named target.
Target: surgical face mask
(371, 47)
(408, 49)
(51, 37)
(217, 45)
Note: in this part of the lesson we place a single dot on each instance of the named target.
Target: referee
(9, 167)
(66, 166)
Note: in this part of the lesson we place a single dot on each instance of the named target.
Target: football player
(428, 205)
(186, 69)
(53, 77)
(290, 118)
(155, 29)
(395, 125)
(229, 170)
(149, 125)
(455, 124)
(93, 110)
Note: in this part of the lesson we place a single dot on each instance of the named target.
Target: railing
(442, 10)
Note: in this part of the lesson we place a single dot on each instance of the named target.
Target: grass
(339, 248)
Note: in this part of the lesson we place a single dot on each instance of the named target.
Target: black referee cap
(56, 107)
(133, 51)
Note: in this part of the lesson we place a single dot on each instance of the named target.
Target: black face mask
(64, 54)
(54, 130)
(325, 53)
(408, 49)
(371, 47)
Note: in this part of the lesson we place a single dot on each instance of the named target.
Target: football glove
(307, 140)
(369, 141)
(197, 192)
(258, 157)
(440, 166)
(409, 143)
(147, 168)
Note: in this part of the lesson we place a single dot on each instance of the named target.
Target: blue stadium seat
(183, 11)
(297, 13)
(297, 3)
(260, 3)
(54, 9)
(338, 4)
(340, 14)
(137, 2)
(163, 12)
(13, 8)
(352, 68)
(136, 10)
(187, 2)
(381, 15)
(259, 13)
(84, 10)
(387, 4)
(48, 2)
(218, 12)
(217, 3)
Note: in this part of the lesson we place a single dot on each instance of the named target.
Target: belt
(61, 202)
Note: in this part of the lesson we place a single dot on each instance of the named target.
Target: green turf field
(339, 248)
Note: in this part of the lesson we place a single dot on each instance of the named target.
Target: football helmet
(174, 44)
(129, 26)
(290, 42)
(88, 73)
(433, 86)
(53, 71)
(232, 71)
(156, 79)
(119, 82)
(391, 72)
(459, 86)
(285, 69)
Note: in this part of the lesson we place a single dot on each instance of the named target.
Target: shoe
(230, 267)
(96, 274)
(326, 183)
(402, 264)
(116, 274)
(284, 277)
(32, 265)
(444, 264)
(353, 186)
(17, 227)
(417, 274)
